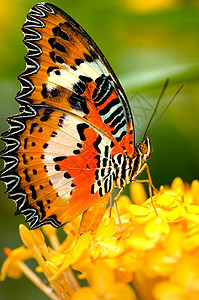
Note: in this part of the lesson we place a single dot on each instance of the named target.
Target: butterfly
(73, 141)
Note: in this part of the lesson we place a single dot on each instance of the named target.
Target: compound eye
(143, 148)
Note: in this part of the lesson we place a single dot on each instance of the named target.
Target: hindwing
(57, 163)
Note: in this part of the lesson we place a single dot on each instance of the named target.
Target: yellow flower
(155, 257)
(12, 265)
(103, 285)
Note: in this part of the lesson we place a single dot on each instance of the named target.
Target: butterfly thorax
(127, 168)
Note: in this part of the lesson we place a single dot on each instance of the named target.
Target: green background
(144, 48)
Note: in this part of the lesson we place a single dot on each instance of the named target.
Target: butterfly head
(144, 149)
(141, 154)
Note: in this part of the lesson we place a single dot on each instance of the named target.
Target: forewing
(66, 70)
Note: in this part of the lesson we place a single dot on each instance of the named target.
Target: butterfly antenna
(156, 107)
(147, 132)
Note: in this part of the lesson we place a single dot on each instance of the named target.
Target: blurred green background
(145, 43)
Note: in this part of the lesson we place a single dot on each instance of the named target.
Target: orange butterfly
(73, 141)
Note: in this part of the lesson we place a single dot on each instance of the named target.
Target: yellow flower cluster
(155, 257)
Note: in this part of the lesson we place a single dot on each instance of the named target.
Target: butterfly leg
(149, 180)
(150, 183)
(116, 208)
(111, 204)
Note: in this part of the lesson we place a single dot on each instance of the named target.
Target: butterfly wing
(67, 70)
(74, 118)
(57, 168)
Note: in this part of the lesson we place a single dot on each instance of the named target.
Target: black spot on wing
(92, 189)
(58, 32)
(33, 125)
(59, 158)
(88, 57)
(56, 45)
(50, 69)
(78, 102)
(51, 42)
(112, 144)
(61, 120)
(49, 92)
(57, 167)
(44, 91)
(73, 68)
(106, 152)
(76, 152)
(96, 174)
(67, 175)
(32, 189)
(53, 134)
(34, 171)
(46, 114)
(59, 59)
(80, 128)
(85, 79)
(24, 159)
(41, 207)
(27, 177)
(100, 192)
(60, 47)
(52, 56)
(97, 143)
(58, 72)
(119, 158)
(106, 185)
(79, 61)
(25, 143)
(54, 92)
(45, 145)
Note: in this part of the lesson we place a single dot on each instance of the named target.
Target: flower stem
(37, 281)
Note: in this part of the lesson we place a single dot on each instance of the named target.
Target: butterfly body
(73, 141)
